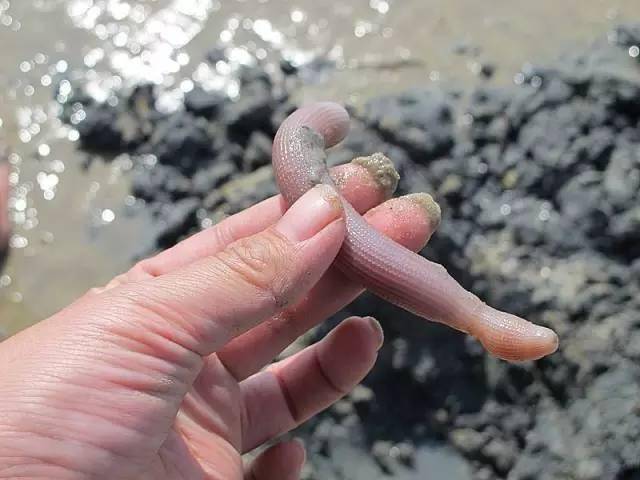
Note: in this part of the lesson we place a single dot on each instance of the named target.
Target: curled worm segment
(384, 267)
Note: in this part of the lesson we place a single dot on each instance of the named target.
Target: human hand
(160, 374)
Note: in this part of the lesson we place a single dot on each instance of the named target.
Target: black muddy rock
(204, 104)
(182, 140)
(538, 185)
(121, 124)
(419, 121)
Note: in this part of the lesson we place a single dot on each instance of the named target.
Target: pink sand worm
(383, 266)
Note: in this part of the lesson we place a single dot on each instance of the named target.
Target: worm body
(384, 267)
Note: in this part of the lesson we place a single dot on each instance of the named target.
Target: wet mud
(538, 184)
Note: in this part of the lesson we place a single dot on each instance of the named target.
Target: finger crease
(286, 394)
(325, 376)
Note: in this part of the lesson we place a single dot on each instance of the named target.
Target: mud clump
(538, 185)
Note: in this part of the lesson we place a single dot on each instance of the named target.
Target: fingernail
(381, 170)
(428, 205)
(377, 329)
(310, 214)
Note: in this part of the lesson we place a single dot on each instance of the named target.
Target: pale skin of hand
(165, 373)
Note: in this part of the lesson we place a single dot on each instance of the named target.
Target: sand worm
(384, 267)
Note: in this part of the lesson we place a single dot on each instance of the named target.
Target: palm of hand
(206, 438)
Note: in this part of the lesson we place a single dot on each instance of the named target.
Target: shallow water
(77, 228)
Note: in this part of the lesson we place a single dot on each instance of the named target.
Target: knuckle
(284, 325)
(117, 281)
(92, 292)
(137, 273)
(222, 234)
(141, 271)
(113, 283)
(264, 262)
